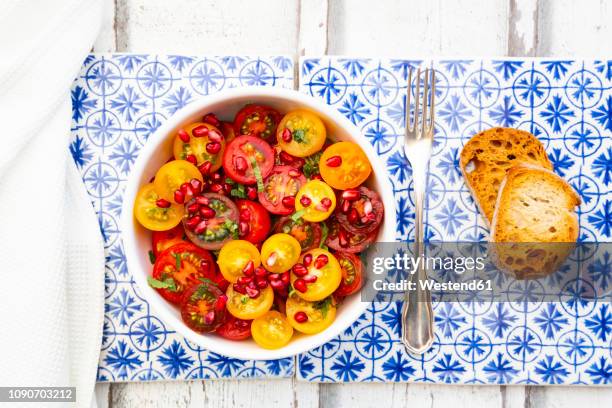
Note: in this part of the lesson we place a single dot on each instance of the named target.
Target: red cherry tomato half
(211, 225)
(282, 183)
(307, 233)
(363, 214)
(179, 267)
(163, 240)
(257, 120)
(203, 308)
(240, 156)
(253, 221)
(227, 128)
(352, 271)
(340, 239)
(234, 328)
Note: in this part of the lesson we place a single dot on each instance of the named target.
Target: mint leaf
(323, 306)
(257, 172)
(238, 191)
(297, 215)
(151, 257)
(168, 283)
(324, 234)
(311, 165)
(299, 135)
(177, 258)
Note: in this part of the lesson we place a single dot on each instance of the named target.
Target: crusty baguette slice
(534, 215)
(488, 155)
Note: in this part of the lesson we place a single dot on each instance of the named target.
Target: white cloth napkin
(51, 250)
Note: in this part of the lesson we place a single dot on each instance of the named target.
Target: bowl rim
(127, 222)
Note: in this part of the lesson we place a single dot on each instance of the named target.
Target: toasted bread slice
(487, 156)
(535, 208)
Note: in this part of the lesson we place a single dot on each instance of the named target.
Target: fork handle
(417, 313)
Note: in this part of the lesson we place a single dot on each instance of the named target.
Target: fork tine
(425, 101)
(432, 107)
(417, 94)
(408, 97)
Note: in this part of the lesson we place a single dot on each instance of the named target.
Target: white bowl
(137, 240)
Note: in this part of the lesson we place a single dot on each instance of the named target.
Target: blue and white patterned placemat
(118, 101)
(567, 105)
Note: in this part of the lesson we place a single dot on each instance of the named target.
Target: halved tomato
(163, 240)
(272, 330)
(227, 128)
(245, 157)
(316, 200)
(344, 165)
(247, 308)
(155, 213)
(301, 133)
(316, 276)
(203, 307)
(172, 175)
(340, 239)
(254, 221)
(257, 120)
(352, 271)
(280, 252)
(211, 220)
(308, 234)
(200, 142)
(280, 188)
(234, 256)
(361, 210)
(310, 317)
(179, 267)
(234, 328)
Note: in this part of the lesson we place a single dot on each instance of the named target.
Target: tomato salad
(257, 224)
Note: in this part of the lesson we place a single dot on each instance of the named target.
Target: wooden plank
(404, 28)
(107, 41)
(523, 28)
(208, 26)
(157, 394)
(102, 395)
(568, 397)
(313, 26)
(570, 28)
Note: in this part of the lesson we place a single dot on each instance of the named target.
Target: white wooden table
(402, 28)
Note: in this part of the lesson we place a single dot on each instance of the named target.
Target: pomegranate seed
(334, 161)
(277, 284)
(245, 214)
(305, 201)
(200, 131)
(239, 288)
(316, 177)
(285, 278)
(196, 185)
(193, 208)
(220, 303)
(307, 260)
(300, 285)
(240, 164)
(300, 317)
(346, 206)
(353, 216)
(207, 212)
(244, 280)
(201, 227)
(251, 193)
(370, 217)
(321, 261)
(326, 202)
(272, 259)
(249, 269)
(216, 176)
(293, 173)
(251, 292)
(351, 194)
(215, 136)
(211, 119)
(299, 270)
(227, 187)
(179, 197)
(205, 167)
(184, 136)
(184, 187)
(367, 207)
(273, 276)
(310, 278)
(216, 188)
(288, 201)
(342, 238)
(213, 147)
(285, 157)
(192, 222)
(243, 228)
(261, 272)
(261, 283)
(286, 135)
(163, 203)
(209, 317)
(191, 159)
(201, 200)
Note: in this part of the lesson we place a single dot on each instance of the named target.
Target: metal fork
(417, 314)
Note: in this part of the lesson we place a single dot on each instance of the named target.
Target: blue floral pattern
(568, 106)
(117, 102)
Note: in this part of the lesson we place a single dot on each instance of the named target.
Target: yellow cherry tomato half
(280, 252)
(190, 143)
(272, 330)
(301, 133)
(344, 165)
(153, 217)
(171, 175)
(316, 200)
(246, 308)
(322, 279)
(234, 256)
(310, 317)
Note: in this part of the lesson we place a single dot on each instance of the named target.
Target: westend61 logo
(500, 272)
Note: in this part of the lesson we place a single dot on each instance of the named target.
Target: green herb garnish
(203, 293)
(167, 283)
(298, 215)
(238, 191)
(232, 228)
(324, 234)
(151, 257)
(299, 135)
(324, 306)
(177, 259)
(244, 300)
(258, 177)
(311, 165)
